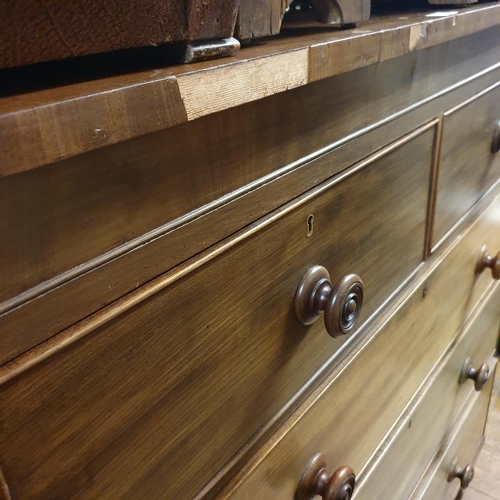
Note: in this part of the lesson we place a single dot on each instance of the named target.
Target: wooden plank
(157, 200)
(33, 32)
(69, 121)
(328, 53)
(218, 89)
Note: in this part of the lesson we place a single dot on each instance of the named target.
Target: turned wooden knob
(480, 375)
(341, 303)
(465, 474)
(317, 481)
(495, 145)
(485, 260)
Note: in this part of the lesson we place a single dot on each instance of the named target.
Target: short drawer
(458, 450)
(470, 161)
(161, 397)
(353, 410)
(404, 455)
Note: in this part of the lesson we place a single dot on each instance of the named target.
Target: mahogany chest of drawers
(268, 277)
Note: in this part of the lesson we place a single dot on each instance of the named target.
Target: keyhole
(310, 225)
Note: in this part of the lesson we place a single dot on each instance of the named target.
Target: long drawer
(350, 413)
(470, 157)
(178, 384)
(81, 233)
(402, 458)
(458, 450)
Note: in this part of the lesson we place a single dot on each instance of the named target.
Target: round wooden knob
(317, 481)
(341, 303)
(465, 474)
(495, 145)
(480, 375)
(485, 260)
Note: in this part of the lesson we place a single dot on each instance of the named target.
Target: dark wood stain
(468, 165)
(32, 31)
(199, 371)
(116, 195)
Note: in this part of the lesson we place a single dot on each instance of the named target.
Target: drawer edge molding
(65, 277)
(426, 385)
(60, 341)
(46, 299)
(449, 441)
(267, 444)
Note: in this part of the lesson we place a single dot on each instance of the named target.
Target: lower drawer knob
(341, 303)
(485, 259)
(317, 481)
(479, 375)
(465, 474)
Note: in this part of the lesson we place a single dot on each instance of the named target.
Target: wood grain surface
(148, 204)
(27, 139)
(258, 19)
(462, 442)
(468, 166)
(36, 31)
(197, 369)
(406, 452)
(360, 398)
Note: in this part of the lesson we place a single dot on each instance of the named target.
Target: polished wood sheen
(464, 474)
(202, 347)
(273, 277)
(479, 375)
(486, 260)
(460, 445)
(468, 166)
(117, 196)
(406, 451)
(345, 406)
(102, 112)
(316, 481)
(340, 303)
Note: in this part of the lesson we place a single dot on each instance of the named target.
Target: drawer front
(160, 398)
(461, 446)
(406, 453)
(354, 408)
(469, 165)
(86, 288)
